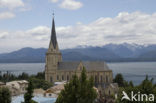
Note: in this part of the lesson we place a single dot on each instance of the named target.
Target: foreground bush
(29, 94)
(5, 95)
(78, 90)
(40, 83)
(146, 87)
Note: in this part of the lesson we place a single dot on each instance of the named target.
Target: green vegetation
(78, 90)
(38, 79)
(40, 83)
(121, 82)
(35, 81)
(29, 94)
(5, 95)
(146, 87)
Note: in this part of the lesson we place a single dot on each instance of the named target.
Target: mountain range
(111, 53)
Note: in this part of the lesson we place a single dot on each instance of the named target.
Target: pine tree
(78, 90)
(29, 94)
(120, 80)
(5, 95)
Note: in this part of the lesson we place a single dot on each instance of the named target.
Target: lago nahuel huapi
(135, 71)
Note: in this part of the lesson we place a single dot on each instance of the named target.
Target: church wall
(100, 77)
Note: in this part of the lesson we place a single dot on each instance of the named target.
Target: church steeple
(53, 34)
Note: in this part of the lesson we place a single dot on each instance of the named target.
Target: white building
(39, 92)
(17, 87)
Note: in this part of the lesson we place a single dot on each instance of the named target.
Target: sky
(27, 23)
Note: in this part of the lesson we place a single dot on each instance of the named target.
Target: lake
(135, 71)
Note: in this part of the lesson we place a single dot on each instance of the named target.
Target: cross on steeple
(53, 14)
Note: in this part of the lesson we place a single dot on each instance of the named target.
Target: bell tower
(53, 56)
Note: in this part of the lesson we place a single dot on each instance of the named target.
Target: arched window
(51, 79)
(101, 78)
(62, 77)
(109, 92)
(106, 79)
(96, 79)
(67, 77)
(81, 68)
(57, 77)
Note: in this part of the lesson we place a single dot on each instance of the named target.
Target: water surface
(135, 71)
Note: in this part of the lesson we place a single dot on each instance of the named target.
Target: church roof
(98, 65)
(53, 34)
(68, 65)
(89, 65)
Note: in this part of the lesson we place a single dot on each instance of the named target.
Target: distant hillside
(89, 53)
(24, 55)
(109, 52)
(151, 56)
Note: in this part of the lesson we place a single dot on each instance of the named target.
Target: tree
(87, 93)
(78, 90)
(5, 95)
(29, 94)
(120, 80)
(40, 75)
(40, 83)
(146, 87)
(23, 76)
(131, 84)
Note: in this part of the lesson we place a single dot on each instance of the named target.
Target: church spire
(53, 34)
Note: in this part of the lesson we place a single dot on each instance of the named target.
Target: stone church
(57, 70)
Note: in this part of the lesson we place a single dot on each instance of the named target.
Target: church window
(106, 79)
(57, 77)
(96, 79)
(67, 77)
(62, 77)
(51, 79)
(109, 92)
(101, 79)
(81, 68)
(54, 60)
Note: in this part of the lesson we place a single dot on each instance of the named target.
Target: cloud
(68, 4)
(11, 7)
(54, 1)
(136, 27)
(39, 33)
(35, 37)
(6, 15)
(71, 4)
(11, 4)
(3, 35)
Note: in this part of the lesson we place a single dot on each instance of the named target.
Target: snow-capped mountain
(109, 52)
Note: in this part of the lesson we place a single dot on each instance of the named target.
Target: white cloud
(71, 4)
(3, 34)
(127, 27)
(39, 33)
(11, 7)
(133, 27)
(11, 4)
(6, 15)
(68, 4)
(54, 1)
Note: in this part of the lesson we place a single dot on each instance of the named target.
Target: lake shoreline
(135, 71)
(67, 61)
